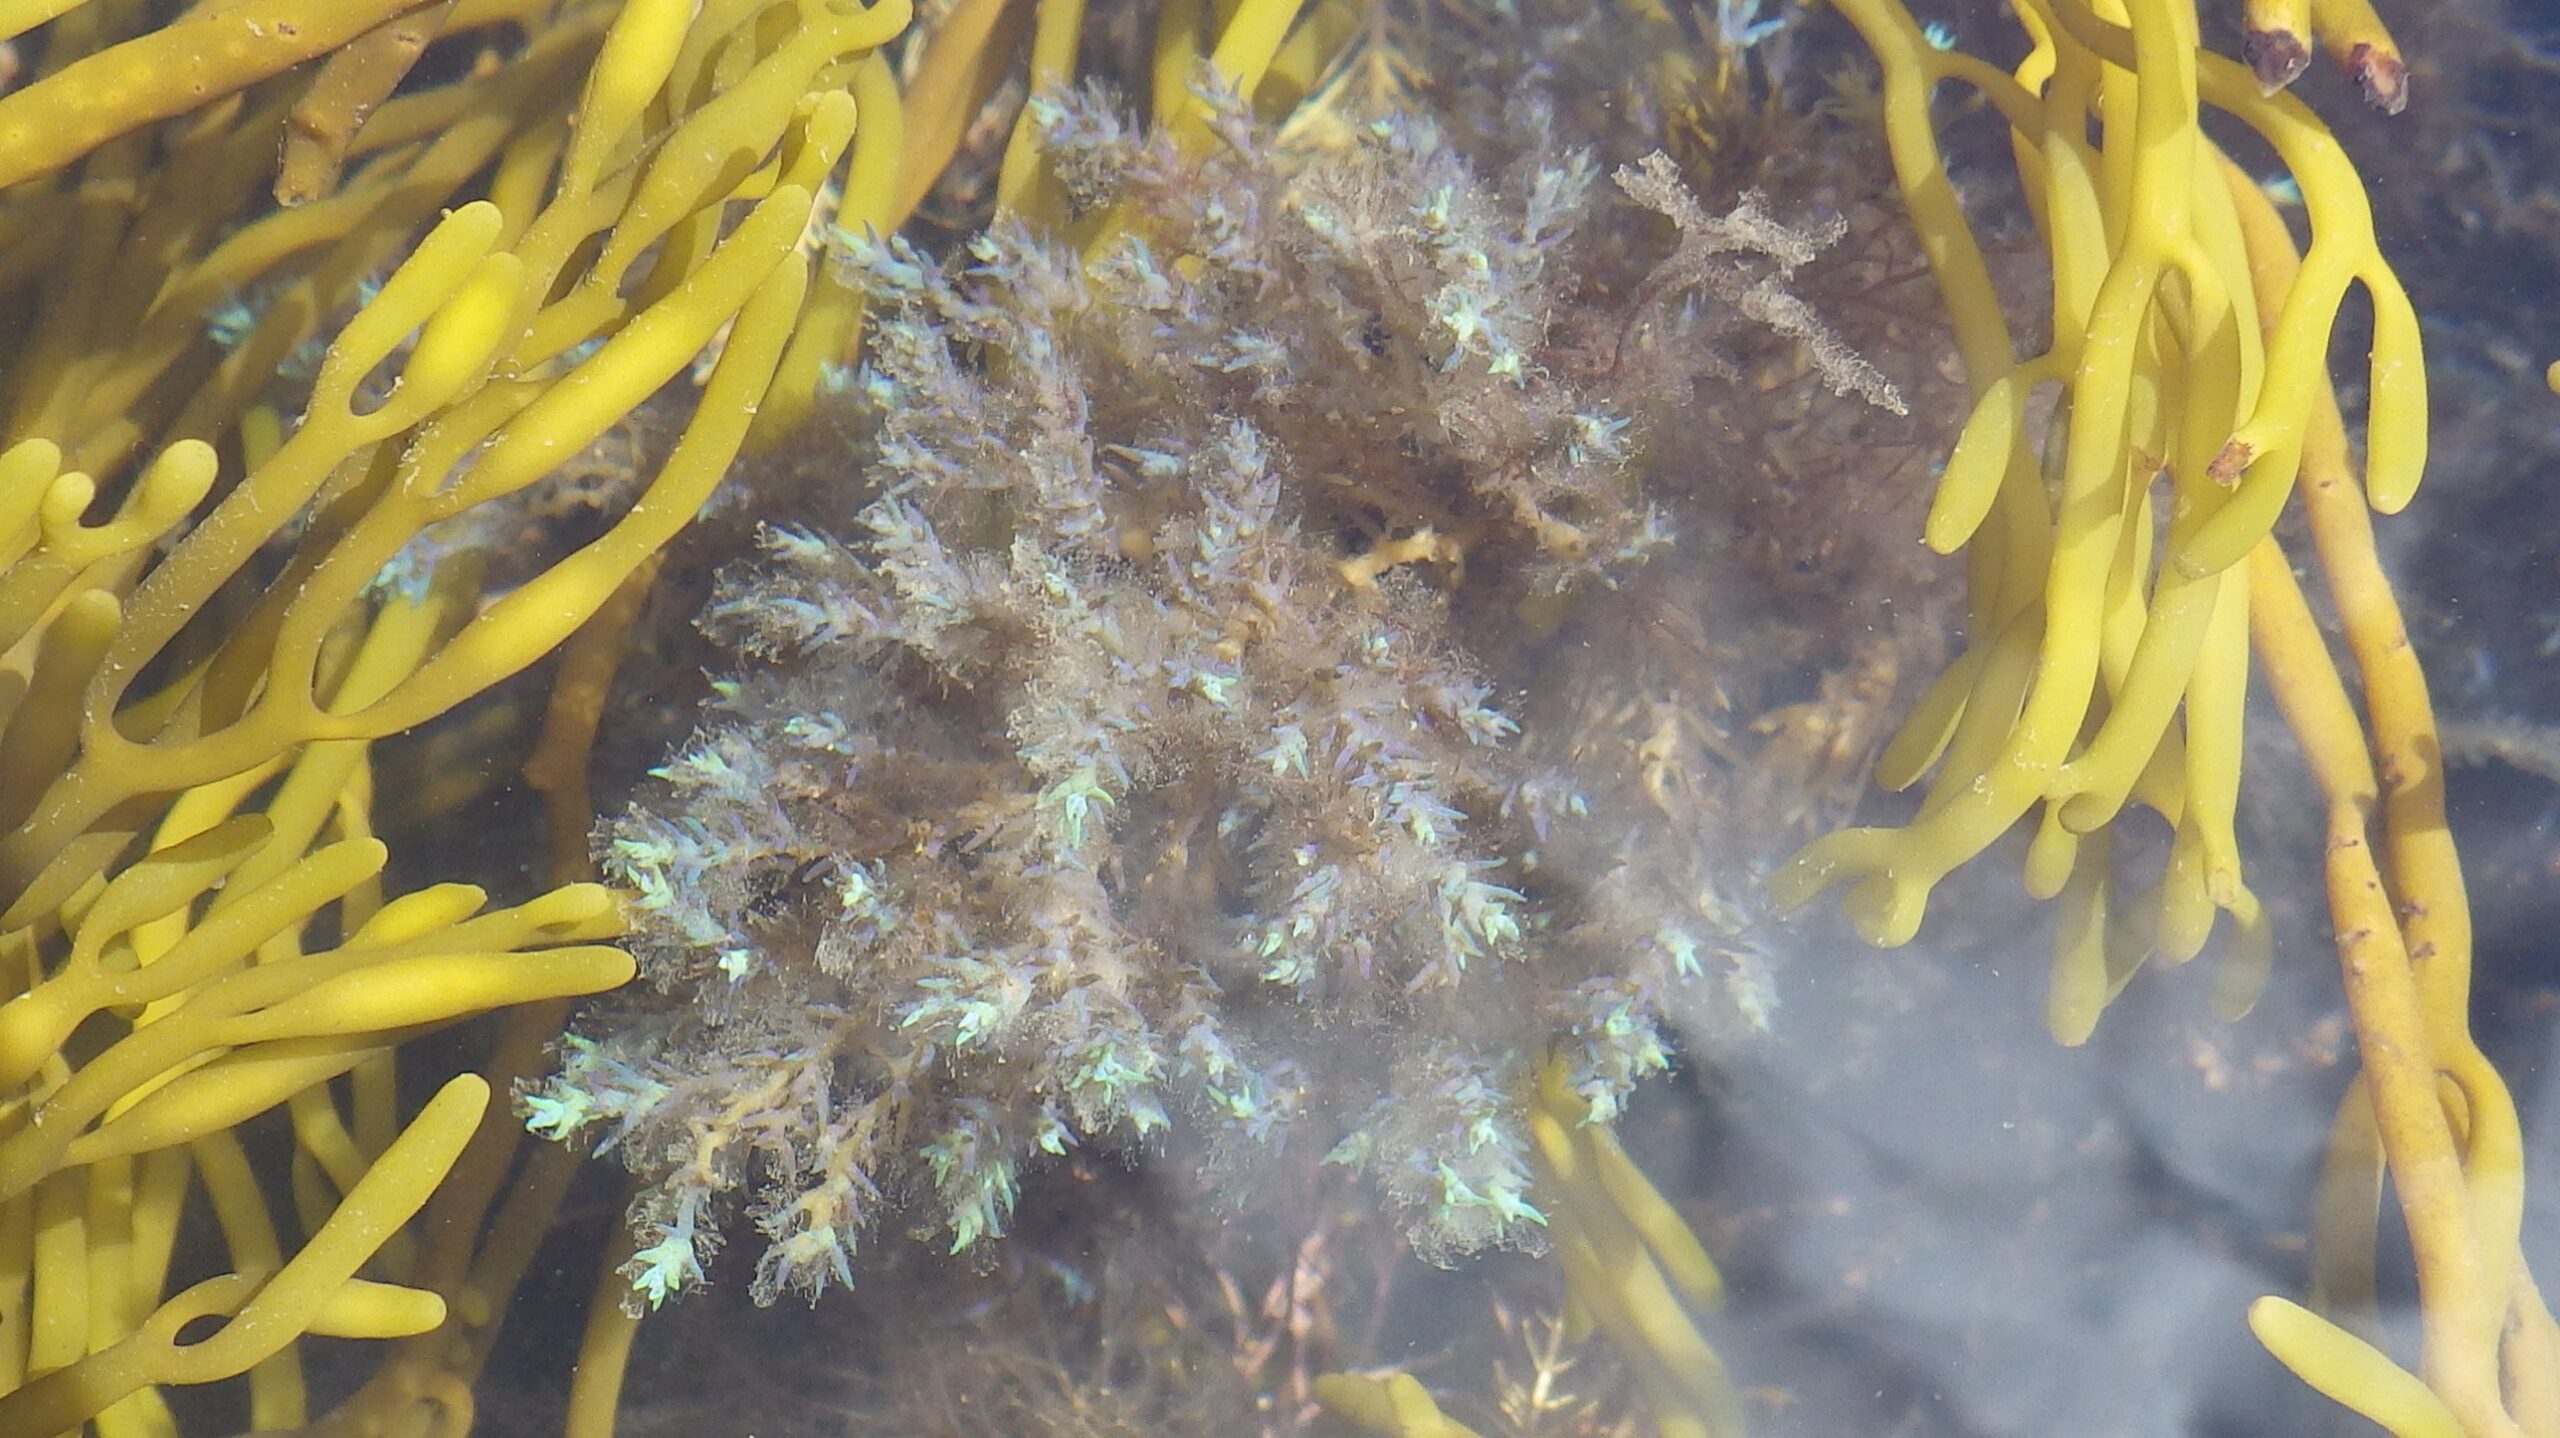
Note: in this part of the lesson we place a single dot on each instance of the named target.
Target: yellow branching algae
(207, 616)
(2108, 660)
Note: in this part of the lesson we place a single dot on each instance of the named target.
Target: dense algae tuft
(1130, 747)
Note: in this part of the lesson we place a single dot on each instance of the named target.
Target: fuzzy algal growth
(1117, 761)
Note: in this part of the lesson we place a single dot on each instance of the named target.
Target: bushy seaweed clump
(1121, 753)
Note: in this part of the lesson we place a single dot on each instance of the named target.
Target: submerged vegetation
(1118, 750)
(1273, 577)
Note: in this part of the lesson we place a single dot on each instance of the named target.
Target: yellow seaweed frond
(207, 616)
(2109, 654)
